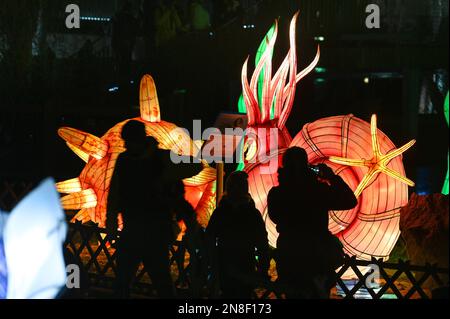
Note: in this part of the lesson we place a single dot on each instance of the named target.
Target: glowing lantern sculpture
(371, 165)
(88, 193)
(360, 153)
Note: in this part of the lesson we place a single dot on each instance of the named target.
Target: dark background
(50, 77)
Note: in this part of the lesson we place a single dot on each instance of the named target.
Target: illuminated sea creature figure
(88, 193)
(357, 151)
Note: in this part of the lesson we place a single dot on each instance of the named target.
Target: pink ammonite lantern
(361, 154)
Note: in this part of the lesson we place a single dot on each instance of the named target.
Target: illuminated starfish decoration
(378, 163)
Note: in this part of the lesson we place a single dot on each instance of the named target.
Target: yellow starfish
(378, 163)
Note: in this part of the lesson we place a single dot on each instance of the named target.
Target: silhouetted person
(237, 230)
(193, 239)
(123, 39)
(307, 253)
(139, 191)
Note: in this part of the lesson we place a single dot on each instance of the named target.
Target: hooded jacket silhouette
(237, 231)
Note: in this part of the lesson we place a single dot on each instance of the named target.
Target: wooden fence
(91, 248)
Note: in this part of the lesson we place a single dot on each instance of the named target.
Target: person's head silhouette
(296, 159)
(237, 185)
(295, 166)
(136, 139)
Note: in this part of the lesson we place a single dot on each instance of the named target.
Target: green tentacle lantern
(445, 188)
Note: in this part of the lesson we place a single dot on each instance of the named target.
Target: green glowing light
(241, 103)
(239, 149)
(319, 81)
(240, 156)
(262, 48)
(319, 38)
(241, 166)
(445, 188)
(320, 70)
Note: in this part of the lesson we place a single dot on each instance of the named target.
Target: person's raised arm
(181, 167)
(339, 195)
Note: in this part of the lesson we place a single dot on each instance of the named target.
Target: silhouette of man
(193, 240)
(237, 229)
(138, 190)
(307, 253)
